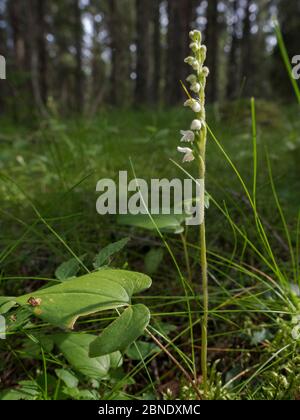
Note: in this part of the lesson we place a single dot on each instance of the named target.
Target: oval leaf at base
(122, 332)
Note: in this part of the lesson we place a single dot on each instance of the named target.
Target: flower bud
(195, 47)
(196, 87)
(196, 125)
(205, 71)
(196, 107)
(192, 78)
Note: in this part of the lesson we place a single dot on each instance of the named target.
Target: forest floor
(48, 196)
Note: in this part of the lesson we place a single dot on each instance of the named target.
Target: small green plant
(67, 298)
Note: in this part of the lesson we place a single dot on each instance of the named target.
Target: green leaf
(122, 332)
(141, 349)
(6, 303)
(62, 304)
(5, 307)
(75, 348)
(32, 347)
(67, 269)
(166, 222)
(153, 259)
(27, 390)
(104, 255)
(67, 377)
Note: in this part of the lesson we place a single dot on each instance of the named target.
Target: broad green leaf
(122, 332)
(75, 348)
(6, 303)
(67, 377)
(32, 347)
(67, 269)
(166, 222)
(27, 390)
(141, 349)
(5, 307)
(104, 255)
(153, 259)
(62, 304)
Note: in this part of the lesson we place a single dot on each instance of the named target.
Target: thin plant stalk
(197, 137)
(203, 253)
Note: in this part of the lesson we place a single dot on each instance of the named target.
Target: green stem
(205, 306)
(203, 259)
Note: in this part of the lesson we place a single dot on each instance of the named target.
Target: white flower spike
(187, 136)
(196, 125)
(188, 154)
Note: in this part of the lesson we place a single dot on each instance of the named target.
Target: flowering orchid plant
(196, 136)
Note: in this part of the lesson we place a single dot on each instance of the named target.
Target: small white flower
(188, 154)
(203, 50)
(187, 136)
(196, 66)
(189, 102)
(192, 78)
(196, 125)
(195, 36)
(196, 87)
(195, 47)
(205, 71)
(190, 60)
(196, 107)
(193, 104)
(192, 34)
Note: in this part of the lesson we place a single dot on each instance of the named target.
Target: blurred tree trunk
(180, 14)
(42, 49)
(97, 86)
(33, 26)
(143, 10)
(119, 23)
(212, 43)
(3, 52)
(16, 18)
(246, 63)
(233, 68)
(78, 39)
(20, 79)
(173, 59)
(156, 76)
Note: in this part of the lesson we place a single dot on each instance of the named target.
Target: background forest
(85, 55)
(93, 87)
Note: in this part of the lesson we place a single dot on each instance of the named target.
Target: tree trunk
(156, 75)
(175, 56)
(143, 51)
(233, 70)
(212, 42)
(78, 37)
(247, 59)
(120, 38)
(42, 49)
